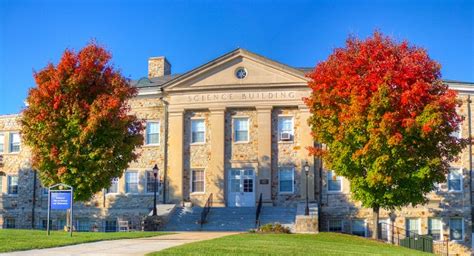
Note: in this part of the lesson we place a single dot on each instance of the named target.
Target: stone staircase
(228, 218)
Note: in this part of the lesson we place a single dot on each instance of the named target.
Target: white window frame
(407, 227)
(462, 229)
(2, 142)
(461, 180)
(138, 182)
(441, 227)
(203, 182)
(150, 172)
(457, 133)
(337, 177)
(9, 182)
(365, 226)
(1, 183)
(10, 143)
(147, 132)
(292, 132)
(192, 131)
(234, 131)
(342, 225)
(117, 180)
(292, 168)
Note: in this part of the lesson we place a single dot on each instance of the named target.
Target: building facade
(235, 127)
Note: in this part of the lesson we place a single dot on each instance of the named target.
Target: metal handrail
(259, 210)
(399, 236)
(205, 210)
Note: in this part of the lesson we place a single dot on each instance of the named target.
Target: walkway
(140, 246)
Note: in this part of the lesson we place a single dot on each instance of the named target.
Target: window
(131, 182)
(152, 133)
(285, 128)
(434, 228)
(286, 177)
(12, 185)
(197, 181)
(61, 223)
(1, 184)
(457, 133)
(110, 226)
(44, 191)
(456, 229)
(334, 182)
(241, 129)
(10, 223)
(150, 182)
(455, 179)
(198, 131)
(82, 225)
(358, 227)
(335, 226)
(14, 142)
(113, 189)
(412, 227)
(2, 142)
(44, 224)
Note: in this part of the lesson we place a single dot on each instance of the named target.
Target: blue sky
(190, 33)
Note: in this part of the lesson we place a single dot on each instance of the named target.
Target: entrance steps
(228, 218)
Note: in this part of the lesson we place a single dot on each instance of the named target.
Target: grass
(20, 239)
(289, 244)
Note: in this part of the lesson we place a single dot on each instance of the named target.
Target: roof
(154, 82)
(162, 81)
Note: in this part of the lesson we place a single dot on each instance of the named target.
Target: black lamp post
(306, 171)
(155, 173)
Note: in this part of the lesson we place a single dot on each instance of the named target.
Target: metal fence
(406, 238)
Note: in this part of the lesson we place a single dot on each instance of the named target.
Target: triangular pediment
(221, 74)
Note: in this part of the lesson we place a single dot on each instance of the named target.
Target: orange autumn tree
(386, 120)
(77, 123)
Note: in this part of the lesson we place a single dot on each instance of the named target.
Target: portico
(240, 152)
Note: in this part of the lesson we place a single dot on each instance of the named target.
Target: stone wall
(441, 203)
(102, 206)
(197, 156)
(285, 154)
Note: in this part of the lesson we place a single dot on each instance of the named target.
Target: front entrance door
(241, 188)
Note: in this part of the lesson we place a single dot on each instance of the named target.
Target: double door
(241, 188)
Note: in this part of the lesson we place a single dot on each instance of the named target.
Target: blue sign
(60, 200)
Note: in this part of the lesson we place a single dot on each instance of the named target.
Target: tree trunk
(375, 210)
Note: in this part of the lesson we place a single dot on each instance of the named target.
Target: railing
(259, 210)
(427, 243)
(205, 210)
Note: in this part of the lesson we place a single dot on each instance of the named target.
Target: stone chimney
(158, 66)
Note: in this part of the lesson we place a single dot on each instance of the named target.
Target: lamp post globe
(306, 171)
(155, 174)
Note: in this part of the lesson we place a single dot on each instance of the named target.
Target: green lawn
(18, 239)
(289, 244)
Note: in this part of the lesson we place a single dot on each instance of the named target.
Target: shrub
(275, 228)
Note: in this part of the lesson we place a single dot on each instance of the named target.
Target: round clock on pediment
(241, 73)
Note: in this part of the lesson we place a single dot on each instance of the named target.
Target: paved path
(139, 246)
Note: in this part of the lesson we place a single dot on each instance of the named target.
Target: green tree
(77, 123)
(385, 117)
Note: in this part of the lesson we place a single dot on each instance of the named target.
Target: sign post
(60, 198)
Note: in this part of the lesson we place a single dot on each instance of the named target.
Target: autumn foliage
(77, 122)
(386, 120)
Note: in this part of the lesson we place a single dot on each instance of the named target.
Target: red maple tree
(386, 118)
(77, 122)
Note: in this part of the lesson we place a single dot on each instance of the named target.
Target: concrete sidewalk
(139, 246)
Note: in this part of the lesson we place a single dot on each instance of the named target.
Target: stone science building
(236, 128)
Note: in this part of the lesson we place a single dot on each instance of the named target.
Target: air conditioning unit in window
(285, 136)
